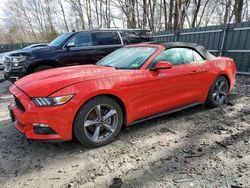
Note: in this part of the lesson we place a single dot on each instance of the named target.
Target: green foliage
(13, 30)
(51, 36)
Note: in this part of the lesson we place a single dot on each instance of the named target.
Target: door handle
(193, 71)
(198, 71)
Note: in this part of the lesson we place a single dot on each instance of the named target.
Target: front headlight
(51, 101)
(17, 59)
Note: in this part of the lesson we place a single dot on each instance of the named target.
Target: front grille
(19, 104)
(7, 63)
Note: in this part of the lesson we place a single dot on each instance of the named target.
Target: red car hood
(46, 82)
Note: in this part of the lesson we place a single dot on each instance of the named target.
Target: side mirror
(162, 65)
(70, 45)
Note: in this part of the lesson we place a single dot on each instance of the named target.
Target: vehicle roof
(110, 29)
(119, 29)
(199, 48)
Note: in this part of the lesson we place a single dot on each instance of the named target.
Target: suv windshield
(60, 39)
(127, 57)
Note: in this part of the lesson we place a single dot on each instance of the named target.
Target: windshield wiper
(117, 68)
(126, 68)
(108, 66)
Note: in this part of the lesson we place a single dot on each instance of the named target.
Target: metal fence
(232, 40)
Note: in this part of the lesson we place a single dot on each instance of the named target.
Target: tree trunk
(238, 6)
(144, 20)
(176, 15)
(133, 21)
(80, 13)
(196, 11)
(170, 17)
(165, 15)
(63, 13)
(227, 9)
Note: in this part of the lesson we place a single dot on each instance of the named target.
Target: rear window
(132, 37)
(105, 38)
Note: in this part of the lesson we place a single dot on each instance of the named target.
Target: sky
(2, 16)
(2, 6)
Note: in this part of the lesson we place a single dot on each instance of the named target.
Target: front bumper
(60, 119)
(2, 66)
(13, 73)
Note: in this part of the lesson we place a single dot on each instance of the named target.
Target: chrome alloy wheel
(100, 123)
(220, 91)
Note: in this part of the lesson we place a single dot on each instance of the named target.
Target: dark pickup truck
(72, 48)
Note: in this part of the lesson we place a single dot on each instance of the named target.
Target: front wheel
(98, 121)
(41, 68)
(218, 92)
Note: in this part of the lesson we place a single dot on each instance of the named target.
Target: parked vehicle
(132, 84)
(73, 48)
(2, 55)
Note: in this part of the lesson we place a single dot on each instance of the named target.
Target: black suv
(72, 48)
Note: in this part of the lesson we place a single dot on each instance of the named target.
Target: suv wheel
(41, 68)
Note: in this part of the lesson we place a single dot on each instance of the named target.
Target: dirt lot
(198, 147)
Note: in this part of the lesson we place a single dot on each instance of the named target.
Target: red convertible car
(132, 84)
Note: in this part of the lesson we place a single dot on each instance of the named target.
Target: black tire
(216, 96)
(41, 68)
(89, 113)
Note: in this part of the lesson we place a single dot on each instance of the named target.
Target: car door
(105, 42)
(202, 74)
(78, 50)
(173, 88)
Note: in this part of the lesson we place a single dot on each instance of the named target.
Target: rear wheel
(98, 122)
(218, 92)
(41, 68)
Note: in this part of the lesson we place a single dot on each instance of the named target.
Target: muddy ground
(197, 147)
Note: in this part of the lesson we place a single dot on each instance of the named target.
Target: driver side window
(81, 40)
(172, 55)
(176, 56)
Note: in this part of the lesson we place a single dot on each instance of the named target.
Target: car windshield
(127, 57)
(60, 39)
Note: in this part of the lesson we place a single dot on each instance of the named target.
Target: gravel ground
(197, 147)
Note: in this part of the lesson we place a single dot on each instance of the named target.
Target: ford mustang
(135, 83)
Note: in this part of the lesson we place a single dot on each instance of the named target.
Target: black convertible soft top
(198, 48)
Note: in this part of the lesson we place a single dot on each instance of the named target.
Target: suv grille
(7, 63)
(19, 104)
(7, 66)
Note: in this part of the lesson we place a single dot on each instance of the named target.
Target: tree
(42, 20)
(238, 8)
(63, 14)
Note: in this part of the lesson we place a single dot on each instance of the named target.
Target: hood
(46, 82)
(29, 51)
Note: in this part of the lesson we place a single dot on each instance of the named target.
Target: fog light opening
(42, 129)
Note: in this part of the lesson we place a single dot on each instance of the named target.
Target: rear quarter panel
(224, 66)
